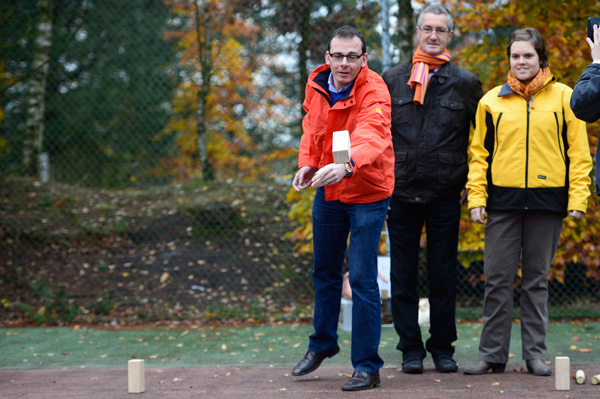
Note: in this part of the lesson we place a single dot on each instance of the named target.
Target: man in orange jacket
(352, 198)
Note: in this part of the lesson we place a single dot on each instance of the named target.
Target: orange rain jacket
(366, 114)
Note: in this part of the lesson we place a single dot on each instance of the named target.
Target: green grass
(280, 345)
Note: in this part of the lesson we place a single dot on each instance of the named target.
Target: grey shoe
(482, 367)
(538, 367)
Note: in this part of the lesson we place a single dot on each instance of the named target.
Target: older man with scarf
(433, 105)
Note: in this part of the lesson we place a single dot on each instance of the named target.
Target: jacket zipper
(527, 160)
(527, 151)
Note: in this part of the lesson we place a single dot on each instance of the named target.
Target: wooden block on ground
(341, 146)
(135, 374)
(563, 373)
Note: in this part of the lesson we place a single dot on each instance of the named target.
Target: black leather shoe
(311, 361)
(412, 366)
(538, 367)
(445, 364)
(361, 381)
(483, 367)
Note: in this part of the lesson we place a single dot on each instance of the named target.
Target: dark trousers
(405, 223)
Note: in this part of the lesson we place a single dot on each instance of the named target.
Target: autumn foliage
(217, 41)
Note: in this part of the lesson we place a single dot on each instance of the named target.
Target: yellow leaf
(584, 350)
(496, 384)
(164, 277)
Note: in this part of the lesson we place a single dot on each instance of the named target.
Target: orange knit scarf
(528, 90)
(419, 76)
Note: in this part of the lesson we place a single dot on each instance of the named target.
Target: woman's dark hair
(348, 32)
(532, 36)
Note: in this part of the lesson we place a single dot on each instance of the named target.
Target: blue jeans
(332, 222)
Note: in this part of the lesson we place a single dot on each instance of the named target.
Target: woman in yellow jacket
(530, 168)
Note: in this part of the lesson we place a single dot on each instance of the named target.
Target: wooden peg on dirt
(135, 374)
(563, 373)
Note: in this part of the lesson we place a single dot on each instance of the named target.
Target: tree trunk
(386, 61)
(206, 69)
(303, 46)
(406, 30)
(34, 113)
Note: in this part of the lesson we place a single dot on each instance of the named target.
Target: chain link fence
(146, 149)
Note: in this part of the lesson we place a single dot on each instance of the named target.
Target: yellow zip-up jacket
(529, 155)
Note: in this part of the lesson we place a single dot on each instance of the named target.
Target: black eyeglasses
(352, 58)
(428, 30)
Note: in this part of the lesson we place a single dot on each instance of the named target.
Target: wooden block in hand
(135, 374)
(563, 373)
(341, 147)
